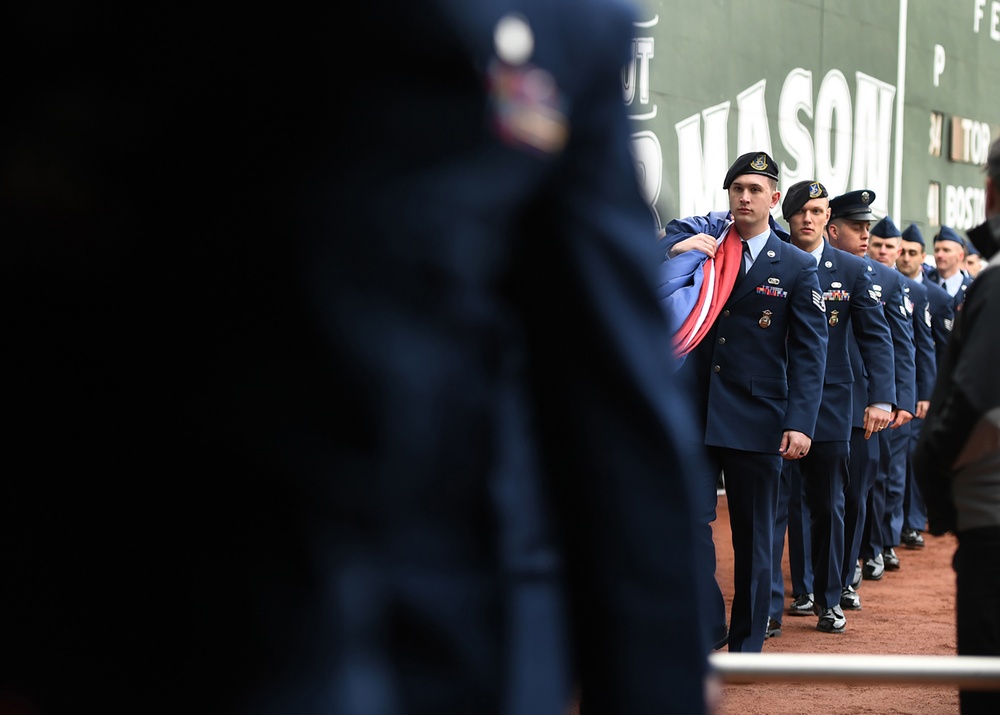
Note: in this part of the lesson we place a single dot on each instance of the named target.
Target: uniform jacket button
(717, 368)
(725, 314)
(722, 341)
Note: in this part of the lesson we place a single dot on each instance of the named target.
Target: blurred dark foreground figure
(338, 382)
(957, 460)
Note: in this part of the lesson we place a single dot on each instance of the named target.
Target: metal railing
(966, 672)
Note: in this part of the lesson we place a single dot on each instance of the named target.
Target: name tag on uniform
(772, 291)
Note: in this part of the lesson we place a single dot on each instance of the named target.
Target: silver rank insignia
(765, 319)
(834, 317)
(828, 264)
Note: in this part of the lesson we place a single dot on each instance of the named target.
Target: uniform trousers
(791, 515)
(823, 476)
(914, 511)
(751, 480)
(873, 538)
(895, 486)
(862, 471)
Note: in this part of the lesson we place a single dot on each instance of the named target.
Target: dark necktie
(743, 263)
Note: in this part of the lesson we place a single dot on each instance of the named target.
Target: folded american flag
(694, 287)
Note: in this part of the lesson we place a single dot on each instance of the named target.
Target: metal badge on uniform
(878, 289)
(770, 254)
(828, 264)
(774, 281)
(870, 269)
(528, 108)
(836, 284)
(834, 317)
(765, 319)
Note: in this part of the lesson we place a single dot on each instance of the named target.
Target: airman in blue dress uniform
(942, 313)
(888, 496)
(949, 257)
(757, 380)
(342, 383)
(850, 221)
(813, 488)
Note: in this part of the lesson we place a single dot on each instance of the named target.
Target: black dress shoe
(912, 539)
(850, 600)
(773, 629)
(832, 621)
(801, 605)
(874, 568)
(890, 559)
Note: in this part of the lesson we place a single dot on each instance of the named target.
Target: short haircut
(993, 162)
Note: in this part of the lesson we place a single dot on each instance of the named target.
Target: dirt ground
(907, 612)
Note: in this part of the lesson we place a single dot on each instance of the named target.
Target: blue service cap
(886, 229)
(854, 205)
(913, 235)
(754, 162)
(799, 194)
(949, 234)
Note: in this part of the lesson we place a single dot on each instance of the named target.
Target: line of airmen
(884, 508)
(813, 365)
